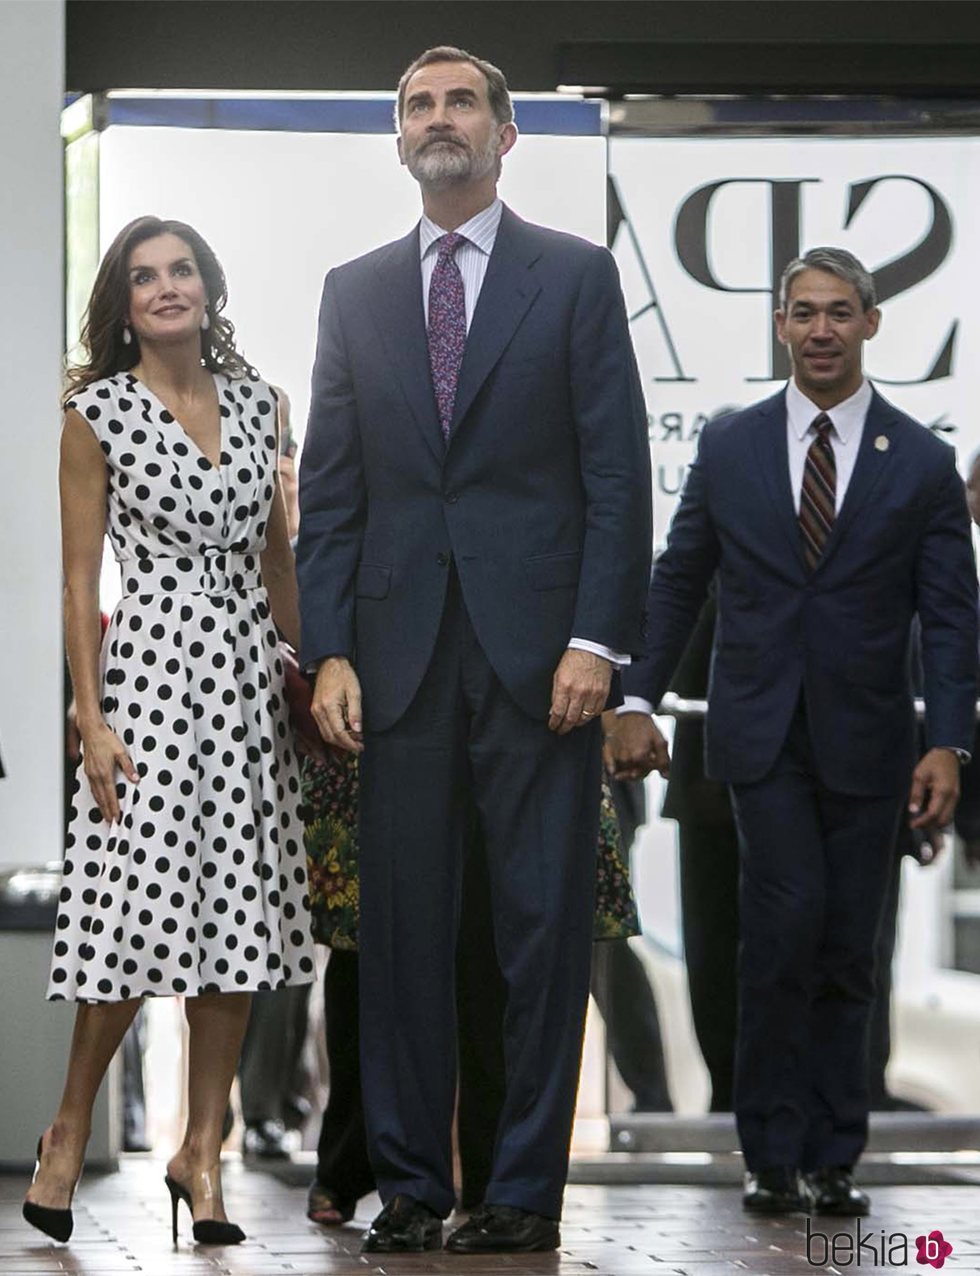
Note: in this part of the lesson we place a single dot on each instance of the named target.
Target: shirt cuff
(634, 704)
(962, 754)
(617, 658)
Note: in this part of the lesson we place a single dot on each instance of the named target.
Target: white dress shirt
(847, 419)
(472, 257)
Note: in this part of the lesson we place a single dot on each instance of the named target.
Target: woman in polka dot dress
(184, 871)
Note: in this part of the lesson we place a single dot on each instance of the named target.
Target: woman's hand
(102, 753)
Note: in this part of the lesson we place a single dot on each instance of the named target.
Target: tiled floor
(122, 1225)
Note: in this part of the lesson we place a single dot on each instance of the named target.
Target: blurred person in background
(270, 1082)
(967, 819)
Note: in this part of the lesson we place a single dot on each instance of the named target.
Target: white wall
(31, 290)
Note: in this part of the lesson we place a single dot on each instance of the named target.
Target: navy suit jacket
(541, 498)
(900, 547)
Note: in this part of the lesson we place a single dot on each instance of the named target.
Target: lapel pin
(881, 443)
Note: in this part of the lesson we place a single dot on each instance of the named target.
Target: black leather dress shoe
(503, 1229)
(778, 1190)
(404, 1226)
(264, 1140)
(835, 1192)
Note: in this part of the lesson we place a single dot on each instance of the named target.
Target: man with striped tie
(474, 554)
(831, 519)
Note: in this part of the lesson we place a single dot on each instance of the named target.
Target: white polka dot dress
(201, 885)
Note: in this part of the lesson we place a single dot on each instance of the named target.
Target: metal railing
(677, 707)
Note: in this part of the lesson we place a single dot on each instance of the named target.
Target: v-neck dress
(201, 884)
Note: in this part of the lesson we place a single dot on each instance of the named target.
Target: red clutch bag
(299, 696)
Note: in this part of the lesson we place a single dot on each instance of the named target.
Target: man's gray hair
(835, 261)
(498, 93)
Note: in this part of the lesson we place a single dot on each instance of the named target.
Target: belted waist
(218, 573)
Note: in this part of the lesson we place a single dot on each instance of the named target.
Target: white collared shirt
(845, 438)
(472, 257)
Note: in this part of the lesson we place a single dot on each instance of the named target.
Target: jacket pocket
(373, 581)
(554, 571)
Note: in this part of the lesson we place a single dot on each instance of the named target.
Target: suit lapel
(400, 319)
(772, 455)
(874, 454)
(508, 292)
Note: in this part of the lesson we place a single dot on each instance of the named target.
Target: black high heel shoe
(208, 1231)
(57, 1224)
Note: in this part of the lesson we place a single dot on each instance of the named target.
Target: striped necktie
(447, 327)
(818, 496)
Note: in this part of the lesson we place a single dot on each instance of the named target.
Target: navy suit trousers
(464, 740)
(815, 867)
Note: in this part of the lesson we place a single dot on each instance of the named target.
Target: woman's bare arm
(84, 482)
(279, 572)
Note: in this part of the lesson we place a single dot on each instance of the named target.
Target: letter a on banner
(618, 222)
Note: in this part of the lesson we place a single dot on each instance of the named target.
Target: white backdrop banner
(281, 208)
(704, 227)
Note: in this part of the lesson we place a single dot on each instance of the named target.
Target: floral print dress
(330, 794)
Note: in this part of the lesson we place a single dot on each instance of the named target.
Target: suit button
(442, 560)
(452, 498)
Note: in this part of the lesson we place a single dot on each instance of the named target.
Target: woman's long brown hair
(108, 307)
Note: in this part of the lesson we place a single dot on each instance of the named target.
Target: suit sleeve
(678, 586)
(331, 497)
(614, 456)
(946, 594)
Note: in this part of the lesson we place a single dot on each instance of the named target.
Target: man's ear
(400, 149)
(780, 318)
(872, 322)
(508, 136)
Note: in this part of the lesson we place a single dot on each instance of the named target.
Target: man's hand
(930, 848)
(336, 706)
(634, 747)
(935, 789)
(579, 690)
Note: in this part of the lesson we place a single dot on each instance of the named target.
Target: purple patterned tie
(447, 327)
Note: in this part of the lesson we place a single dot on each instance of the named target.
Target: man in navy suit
(473, 560)
(832, 519)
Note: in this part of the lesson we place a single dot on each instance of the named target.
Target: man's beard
(443, 163)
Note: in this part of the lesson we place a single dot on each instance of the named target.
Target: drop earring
(127, 336)
(206, 321)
